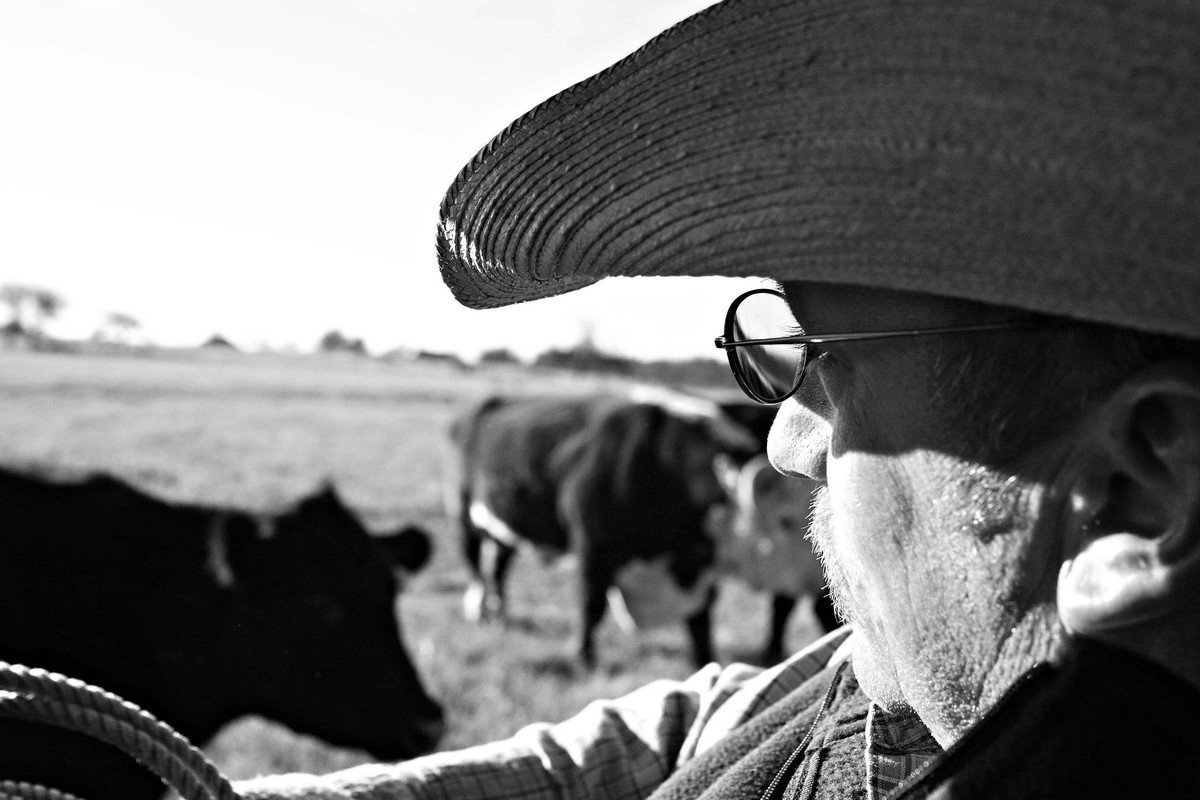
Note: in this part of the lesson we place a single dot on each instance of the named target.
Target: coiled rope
(18, 790)
(36, 695)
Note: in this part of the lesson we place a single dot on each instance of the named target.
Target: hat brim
(1039, 155)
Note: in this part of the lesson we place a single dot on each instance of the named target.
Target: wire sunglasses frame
(728, 343)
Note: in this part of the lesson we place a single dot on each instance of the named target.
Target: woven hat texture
(1040, 154)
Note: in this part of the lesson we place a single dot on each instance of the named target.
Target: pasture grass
(259, 431)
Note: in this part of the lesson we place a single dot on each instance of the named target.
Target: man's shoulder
(754, 695)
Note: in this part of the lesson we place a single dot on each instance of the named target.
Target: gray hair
(1000, 393)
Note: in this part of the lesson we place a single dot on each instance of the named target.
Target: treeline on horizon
(582, 357)
(29, 308)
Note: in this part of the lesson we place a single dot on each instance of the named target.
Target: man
(983, 219)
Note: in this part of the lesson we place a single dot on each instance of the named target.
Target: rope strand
(36, 695)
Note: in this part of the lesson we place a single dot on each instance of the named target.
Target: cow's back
(198, 615)
(509, 460)
(83, 564)
(629, 494)
(86, 593)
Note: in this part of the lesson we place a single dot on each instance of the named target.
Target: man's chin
(877, 676)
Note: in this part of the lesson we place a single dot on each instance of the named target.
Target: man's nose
(799, 438)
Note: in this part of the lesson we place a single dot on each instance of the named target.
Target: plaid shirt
(897, 746)
(619, 749)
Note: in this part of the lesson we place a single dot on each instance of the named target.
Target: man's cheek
(872, 501)
(872, 520)
(833, 544)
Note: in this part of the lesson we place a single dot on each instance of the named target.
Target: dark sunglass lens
(769, 372)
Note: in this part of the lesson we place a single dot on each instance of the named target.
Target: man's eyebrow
(792, 293)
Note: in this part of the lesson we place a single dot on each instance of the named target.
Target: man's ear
(1132, 560)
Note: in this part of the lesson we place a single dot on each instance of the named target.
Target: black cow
(200, 615)
(624, 485)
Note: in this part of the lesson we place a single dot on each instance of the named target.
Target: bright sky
(272, 169)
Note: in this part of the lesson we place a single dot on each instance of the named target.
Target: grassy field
(258, 431)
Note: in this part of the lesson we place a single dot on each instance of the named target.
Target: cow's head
(761, 531)
(310, 634)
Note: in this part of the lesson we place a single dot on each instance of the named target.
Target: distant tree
(11, 333)
(499, 355)
(118, 319)
(117, 327)
(219, 342)
(336, 342)
(441, 358)
(332, 342)
(13, 296)
(704, 372)
(585, 357)
(46, 306)
(30, 306)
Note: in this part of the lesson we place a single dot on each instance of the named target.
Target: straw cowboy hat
(1041, 154)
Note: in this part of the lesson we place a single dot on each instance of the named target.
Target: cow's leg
(823, 607)
(471, 538)
(782, 606)
(489, 544)
(595, 577)
(494, 559)
(483, 600)
(473, 597)
(500, 557)
(699, 627)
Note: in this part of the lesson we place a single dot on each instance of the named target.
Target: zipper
(784, 774)
(917, 778)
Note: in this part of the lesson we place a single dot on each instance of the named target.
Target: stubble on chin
(874, 672)
(820, 534)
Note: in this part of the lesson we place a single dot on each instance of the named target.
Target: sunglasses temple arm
(723, 343)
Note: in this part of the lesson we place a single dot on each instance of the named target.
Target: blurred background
(269, 171)
(217, 282)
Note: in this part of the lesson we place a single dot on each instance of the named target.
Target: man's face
(928, 554)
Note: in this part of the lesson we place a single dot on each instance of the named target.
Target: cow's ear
(234, 545)
(728, 474)
(327, 494)
(325, 500)
(216, 552)
(409, 548)
(249, 543)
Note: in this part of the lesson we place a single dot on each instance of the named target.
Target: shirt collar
(898, 744)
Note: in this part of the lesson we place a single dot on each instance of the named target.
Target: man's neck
(1039, 638)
